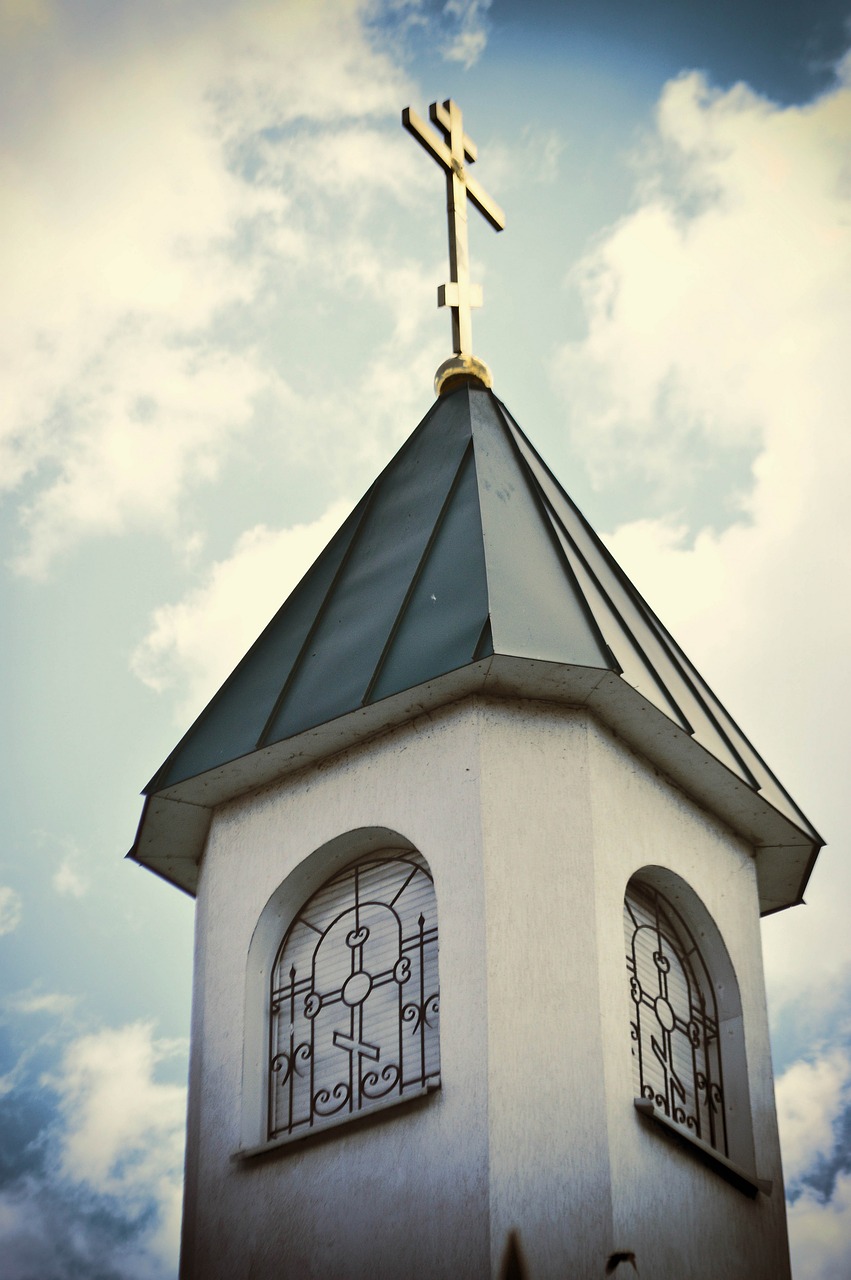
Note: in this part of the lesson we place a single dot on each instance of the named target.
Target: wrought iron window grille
(675, 1029)
(354, 1002)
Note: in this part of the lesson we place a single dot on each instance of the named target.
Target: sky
(219, 255)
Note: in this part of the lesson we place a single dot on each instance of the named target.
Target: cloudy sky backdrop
(219, 256)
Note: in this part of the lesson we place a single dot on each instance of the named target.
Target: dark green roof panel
(465, 545)
(441, 626)
(536, 609)
(465, 568)
(337, 664)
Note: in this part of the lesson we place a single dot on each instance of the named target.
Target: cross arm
(439, 115)
(484, 204)
(427, 138)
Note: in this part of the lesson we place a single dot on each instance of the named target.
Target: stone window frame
(735, 1158)
(279, 914)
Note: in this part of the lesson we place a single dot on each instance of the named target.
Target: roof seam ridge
(687, 673)
(320, 614)
(487, 626)
(541, 507)
(417, 574)
(710, 697)
(622, 622)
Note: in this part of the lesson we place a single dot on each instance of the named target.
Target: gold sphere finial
(462, 369)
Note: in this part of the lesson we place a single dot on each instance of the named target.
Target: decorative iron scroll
(354, 1000)
(675, 1044)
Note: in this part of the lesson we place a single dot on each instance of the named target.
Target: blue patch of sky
(821, 1178)
(87, 1235)
(597, 66)
(80, 720)
(820, 1024)
(712, 483)
(28, 1111)
(782, 48)
(598, 71)
(812, 1030)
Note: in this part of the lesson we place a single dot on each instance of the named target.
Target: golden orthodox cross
(451, 151)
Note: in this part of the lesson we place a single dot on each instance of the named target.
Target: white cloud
(718, 312)
(67, 880)
(12, 1078)
(54, 1003)
(547, 150)
(296, 62)
(810, 1098)
(11, 909)
(820, 1234)
(716, 306)
(123, 1131)
(195, 643)
(57, 1008)
(130, 193)
(467, 44)
(17, 15)
(108, 1199)
(115, 213)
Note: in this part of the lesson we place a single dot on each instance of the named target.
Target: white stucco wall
(405, 1193)
(710, 1227)
(532, 819)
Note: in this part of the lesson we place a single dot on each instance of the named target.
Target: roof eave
(175, 821)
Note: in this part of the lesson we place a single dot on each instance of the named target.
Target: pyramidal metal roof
(465, 568)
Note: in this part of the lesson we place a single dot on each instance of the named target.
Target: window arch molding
(276, 920)
(708, 966)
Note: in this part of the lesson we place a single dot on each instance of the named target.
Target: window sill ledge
(336, 1122)
(749, 1183)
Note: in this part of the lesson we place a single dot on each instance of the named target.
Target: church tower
(479, 863)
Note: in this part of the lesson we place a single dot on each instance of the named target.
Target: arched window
(676, 1025)
(354, 1003)
(686, 1028)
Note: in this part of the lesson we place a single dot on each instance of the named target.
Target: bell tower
(479, 863)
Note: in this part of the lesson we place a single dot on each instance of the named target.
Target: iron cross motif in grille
(451, 152)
